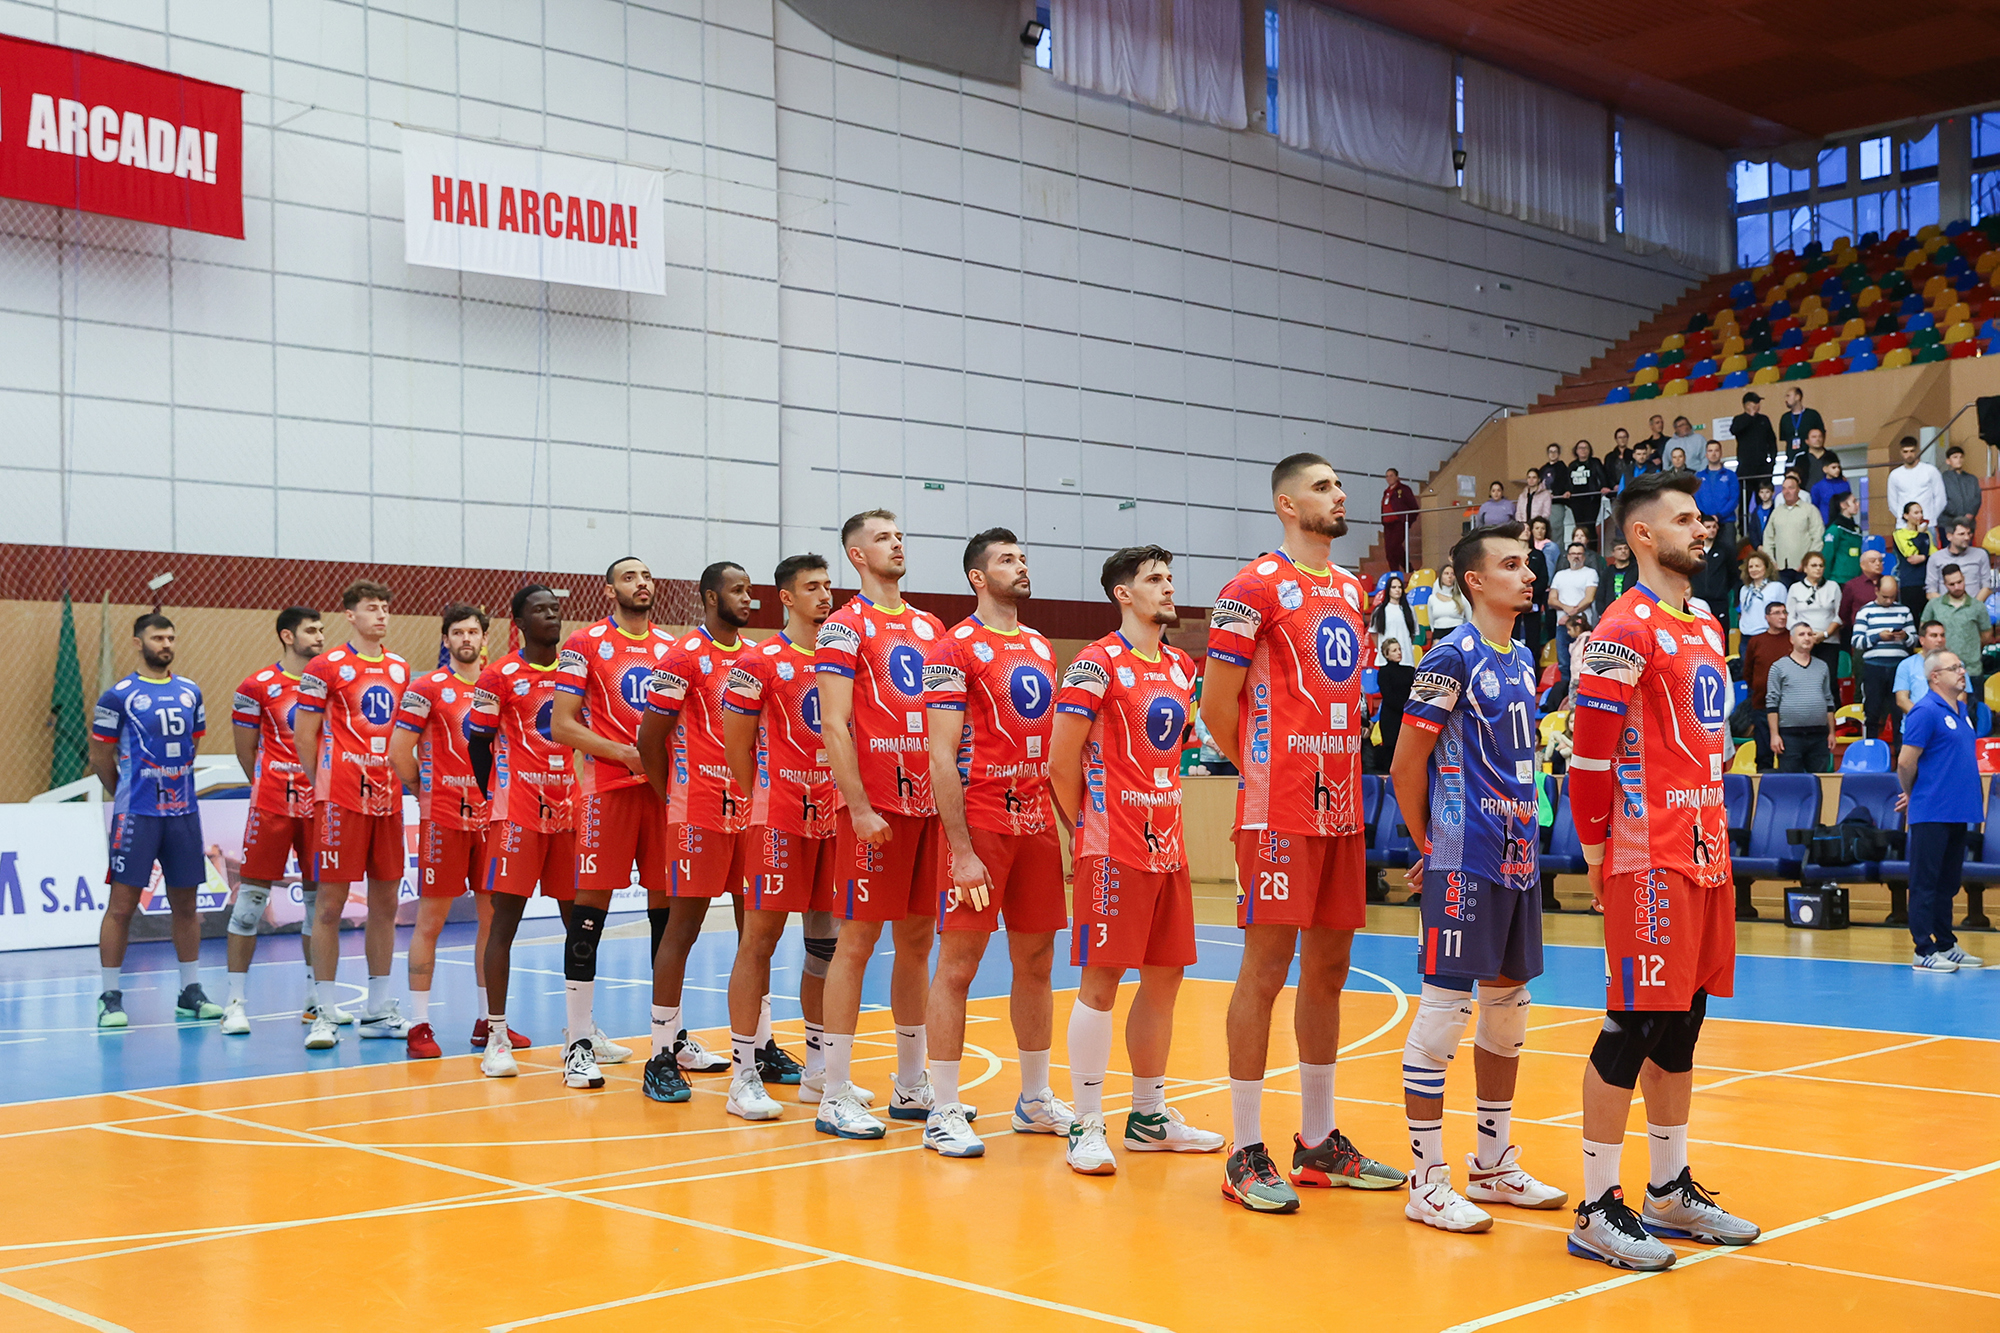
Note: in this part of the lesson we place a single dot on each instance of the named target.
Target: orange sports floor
(422, 1196)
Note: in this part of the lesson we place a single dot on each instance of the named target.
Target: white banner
(522, 213)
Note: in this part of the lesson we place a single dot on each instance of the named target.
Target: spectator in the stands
(1961, 490)
(1619, 461)
(1911, 682)
(1534, 500)
(1573, 591)
(1798, 706)
(1677, 459)
(1814, 602)
(1756, 443)
(1448, 608)
(1857, 591)
(1939, 771)
(1644, 460)
(1555, 476)
(1967, 626)
(1399, 512)
(1842, 543)
(1620, 573)
(1915, 480)
(1883, 633)
(1914, 547)
(1759, 590)
(1586, 485)
(1498, 509)
(1810, 461)
(1716, 495)
(1972, 560)
(1793, 531)
(1393, 679)
(1716, 584)
(1656, 434)
(1757, 513)
(1575, 632)
(1683, 429)
(1759, 651)
(1394, 620)
(1797, 419)
(1830, 489)
(1537, 624)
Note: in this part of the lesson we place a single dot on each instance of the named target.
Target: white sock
(910, 1046)
(236, 980)
(815, 1048)
(664, 1034)
(312, 991)
(190, 973)
(1496, 1122)
(764, 1023)
(107, 978)
(839, 1060)
(1670, 1152)
(378, 994)
(1316, 1118)
(1149, 1095)
(496, 1024)
(420, 1006)
(1600, 1168)
(577, 996)
(944, 1082)
(1246, 1110)
(744, 1052)
(1034, 1073)
(670, 1019)
(1426, 1147)
(1089, 1056)
(482, 999)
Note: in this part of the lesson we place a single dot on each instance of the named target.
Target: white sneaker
(1088, 1154)
(947, 1133)
(1435, 1203)
(748, 1099)
(579, 1063)
(1044, 1113)
(389, 1022)
(1506, 1182)
(333, 1012)
(1168, 1131)
(235, 1022)
(696, 1058)
(1963, 959)
(812, 1090)
(919, 1100)
(322, 1035)
(498, 1062)
(607, 1051)
(843, 1117)
(1683, 1210)
(1933, 962)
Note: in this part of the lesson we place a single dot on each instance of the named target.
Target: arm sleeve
(743, 691)
(1237, 619)
(415, 710)
(838, 648)
(945, 673)
(483, 718)
(1439, 684)
(247, 709)
(573, 667)
(667, 691)
(1084, 684)
(1774, 689)
(1614, 657)
(313, 686)
(108, 718)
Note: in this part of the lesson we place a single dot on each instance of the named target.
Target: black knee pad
(1675, 1050)
(586, 928)
(1626, 1041)
(656, 920)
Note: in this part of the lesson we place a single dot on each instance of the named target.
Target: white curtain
(1184, 57)
(1534, 153)
(1362, 95)
(1676, 198)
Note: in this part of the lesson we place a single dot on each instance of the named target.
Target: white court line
(658, 1295)
(48, 1306)
(1720, 1251)
(1873, 1277)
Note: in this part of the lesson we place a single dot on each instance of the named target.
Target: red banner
(107, 136)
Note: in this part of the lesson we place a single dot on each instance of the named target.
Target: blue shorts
(174, 841)
(1478, 930)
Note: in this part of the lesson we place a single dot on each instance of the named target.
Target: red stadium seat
(1832, 366)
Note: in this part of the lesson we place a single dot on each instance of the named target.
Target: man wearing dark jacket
(1716, 584)
(1756, 447)
(1797, 420)
(1961, 492)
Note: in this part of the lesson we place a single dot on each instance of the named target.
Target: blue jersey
(155, 724)
(1479, 700)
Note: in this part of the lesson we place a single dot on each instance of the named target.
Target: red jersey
(1300, 633)
(532, 782)
(1004, 683)
(357, 696)
(1661, 674)
(611, 669)
(435, 707)
(1138, 709)
(884, 651)
(775, 682)
(265, 703)
(689, 681)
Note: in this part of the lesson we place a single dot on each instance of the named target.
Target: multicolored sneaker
(580, 1065)
(334, 1014)
(748, 1099)
(1338, 1162)
(843, 1117)
(917, 1101)
(1087, 1153)
(663, 1080)
(812, 1090)
(1168, 1131)
(111, 1009)
(194, 1005)
(1436, 1204)
(1608, 1231)
(482, 1028)
(948, 1133)
(776, 1065)
(1044, 1113)
(1684, 1210)
(1251, 1178)
(1506, 1182)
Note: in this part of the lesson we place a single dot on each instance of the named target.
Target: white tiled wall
(880, 277)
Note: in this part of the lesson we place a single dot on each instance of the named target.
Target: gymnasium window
(1618, 180)
(1271, 68)
(1044, 49)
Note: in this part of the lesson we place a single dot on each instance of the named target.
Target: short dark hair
(292, 617)
(1955, 449)
(1924, 628)
(1908, 442)
(1959, 522)
(154, 620)
(1287, 468)
(362, 590)
(975, 550)
(520, 602)
(1769, 607)
(461, 611)
(1469, 552)
(1949, 570)
(1917, 505)
(711, 578)
(1122, 566)
(1647, 487)
(612, 568)
(794, 565)
(860, 520)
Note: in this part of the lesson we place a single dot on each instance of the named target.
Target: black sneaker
(775, 1064)
(663, 1081)
(1608, 1231)
(194, 1004)
(1250, 1178)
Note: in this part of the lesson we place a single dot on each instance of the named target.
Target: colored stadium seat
(1791, 356)
(1866, 361)
(1767, 375)
(1732, 346)
(1792, 338)
(1646, 391)
(1763, 359)
(1674, 387)
(1958, 333)
(1673, 342)
(1784, 801)
(1869, 756)
(1817, 319)
(1897, 357)
(1646, 375)
(1392, 850)
(1911, 305)
(1956, 313)
(1826, 351)
(1874, 792)
(1867, 296)
(1854, 328)
(1919, 321)
(1706, 384)
(1736, 379)
(1822, 369)
(1621, 394)
(1969, 348)
(1646, 359)
(1707, 366)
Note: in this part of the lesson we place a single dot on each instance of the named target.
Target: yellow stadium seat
(1734, 362)
(1937, 283)
(1674, 387)
(1993, 692)
(1992, 545)
(1794, 278)
(1650, 375)
(1768, 375)
(1816, 320)
(1733, 346)
(1757, 275)
(1912, 259)
(1745, 761)
(1850, 714)
(1423, 578)
(1853, 328)
(1896, 360)
(1956, 313)
(1983, 266)
(1810, 303)
(1827, 350)
(1673, 342)
(1958, 332)
(1868, 297)
(1775, 295)
(1553, 723)
(1929, 234)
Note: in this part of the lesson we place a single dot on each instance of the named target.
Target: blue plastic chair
(1739, 799)
(1621, 394)
(1958, 228)
(1392, 850)
(1866, 361)
(1990, 329)
(1913, 304)
(1874, 792)
(1784, 801)
(1919, 322)
(1702, 368)
(1867, 756)
(1646, 359)
(1983, 719)
(1736, 379)
(1780, 310)
(1875, 542)
(1980, 868)
(1565, 853)
(1371, 682)
(1742, 292)
(1742, 693)
(1419, 596)
(1792, 338)
(1965, 282)
(1371, 805)
(1856, 346)
(1907, 244)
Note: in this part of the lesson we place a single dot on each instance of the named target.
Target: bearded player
(1652, 741)
(1466, 779)
(1283, 701)
(989, 687)
(1114, 770)
(278, 827)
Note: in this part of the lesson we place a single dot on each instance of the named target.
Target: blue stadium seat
(1371, 682)
(1565, 853)
(1869, 756)
(1856, 346)
(1792, 338)
(1980, 868)
(1371, 805)
(1703, 368)
(1958, 228)
(1736, 379)
(1919, 321)
(1620, 394)
(1866, 361)
(1738, 800)
(1392, 850)
(1784, 801)
(1874, 792)
(1781, 309)
(1913, 304)
(1646, 359)
(1742, 292)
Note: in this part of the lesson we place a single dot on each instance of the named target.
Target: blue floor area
(50, 1046)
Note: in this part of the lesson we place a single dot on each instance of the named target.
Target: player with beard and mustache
(1283, 701)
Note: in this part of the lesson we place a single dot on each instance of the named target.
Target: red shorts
(1024, 882)
(452, 860)
(1131, 918)
(887, 881)
(348, 847)
(1666, 938)
(270, 840)
(615, 830)
(517, 859)
(789, 872)
(703, 863)
(1294, 879)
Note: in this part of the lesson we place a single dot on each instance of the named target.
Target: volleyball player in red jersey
(279, 824)
(432, 756)
(346, 712)
(1652, 742)
(887, 849)
(708, 816)
(1121, 716)
(1282, 698)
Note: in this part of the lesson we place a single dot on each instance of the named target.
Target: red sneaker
(481, 1029)
(423, 1045)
